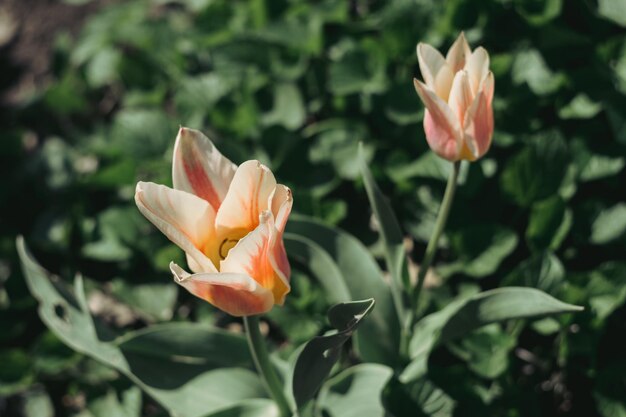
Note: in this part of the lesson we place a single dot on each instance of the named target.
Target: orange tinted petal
(248, 196)
(236, 294)
(261, 255)
(282, 201)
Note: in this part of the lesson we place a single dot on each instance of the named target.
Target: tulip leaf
(469, 313)
(257, 407)
(360, 275)
(321, 265)
(321, 353)
(355, 392)
(390, 231)
(421, 396)
(178, 364)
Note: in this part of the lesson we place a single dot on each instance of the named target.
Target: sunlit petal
(435, 70)
(458, 53)
(199, 168)
(477, 67)
(184, 218)
(248, 196)
(461, 95)
(281, 202)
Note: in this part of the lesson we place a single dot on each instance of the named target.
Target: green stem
(261, 359)
(440, 224)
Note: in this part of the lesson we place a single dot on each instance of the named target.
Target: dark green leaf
(321, 353)
(549, 224)
(469, 313)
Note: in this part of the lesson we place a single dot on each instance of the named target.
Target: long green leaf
(356, 392)
(467, 314)
(178, 364)
(356, 276)
(389, 226)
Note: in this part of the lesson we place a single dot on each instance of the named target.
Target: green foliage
(298, 85)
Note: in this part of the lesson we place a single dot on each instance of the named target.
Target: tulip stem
(263, 364)
(440, 224)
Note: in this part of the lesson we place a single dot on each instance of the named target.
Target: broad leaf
(355, 392)
(355, 275)
(390, 232)
(421, 396)
(176, 363)
(321, 353)
(467, 314)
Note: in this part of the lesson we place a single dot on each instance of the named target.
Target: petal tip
(180, 275)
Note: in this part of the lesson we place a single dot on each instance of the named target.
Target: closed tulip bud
(229, 220)
(457, 92)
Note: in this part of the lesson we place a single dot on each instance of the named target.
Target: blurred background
(92, 94)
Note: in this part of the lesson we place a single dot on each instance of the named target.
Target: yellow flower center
(217, 249)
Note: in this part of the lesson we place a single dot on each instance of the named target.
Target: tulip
(229, 220)
(457, 92)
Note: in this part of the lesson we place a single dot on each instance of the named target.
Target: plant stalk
(440, 224)
(261, 359)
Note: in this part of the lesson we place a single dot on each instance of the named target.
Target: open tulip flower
(229, 220)
(457, 92)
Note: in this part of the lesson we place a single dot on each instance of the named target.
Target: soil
(28, 30)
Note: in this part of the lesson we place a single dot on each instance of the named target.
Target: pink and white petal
(477, 67)
(479, 125)
(199, 168)
(458, 53)
(281, 203)
(184, 218)
(248, 197)
(487, 87)
(255, 256)
(236, 294)
(442, 128)
(460, 95)
(435, 70)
